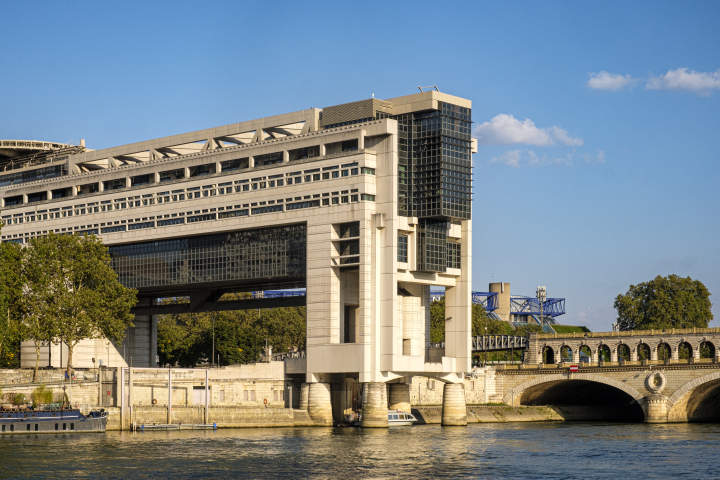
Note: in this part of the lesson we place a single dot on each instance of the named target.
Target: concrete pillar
(593, 356)
(653, 353)
(101, 187)
(25, 197)
(322, 150)
(251, 162)
(304, 389)
(614, 354)
(696, 352)
(675, 352)
(187, 172)
(399, 397)
(130, 398)
(576, 354)
(286, 156)
(656, 409)
(454, 411)
(319, 405)
(156, 177)
(128, 182)
(633, 355)
(361, 140)
(49, 196)
(375, 405)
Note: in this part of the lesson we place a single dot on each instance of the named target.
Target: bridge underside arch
(583, 400)
(699, 404)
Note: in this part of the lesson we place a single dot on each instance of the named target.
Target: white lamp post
(541, 296)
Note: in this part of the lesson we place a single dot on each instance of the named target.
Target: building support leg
(399, 397)
(375, 405)
(454, 411)
(319, 404)
(304, 389)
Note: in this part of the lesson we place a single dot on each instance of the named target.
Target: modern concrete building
(366, 205)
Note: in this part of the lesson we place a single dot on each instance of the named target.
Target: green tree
(78, 294)
(480, 320)
(664, 302)
(41, 395)
(10, 294)
(527, 329)
(186, 339)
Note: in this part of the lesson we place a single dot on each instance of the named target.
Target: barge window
(3, 428)
(72, 426)
(36, 427)
(28, 429)
(56, 426)
(12, 428)
(64, 426)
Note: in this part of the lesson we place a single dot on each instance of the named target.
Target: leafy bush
(19, 399)
(42, 395)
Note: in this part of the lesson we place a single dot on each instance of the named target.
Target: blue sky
(585, 181)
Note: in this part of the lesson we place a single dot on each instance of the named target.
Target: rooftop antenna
(429, 88)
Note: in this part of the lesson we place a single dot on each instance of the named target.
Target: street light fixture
(541, 296)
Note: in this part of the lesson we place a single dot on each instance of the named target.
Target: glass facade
(402, 248)
(432, 245)
(242, 255)
(32, 175)
(435, 176)
(453, 255)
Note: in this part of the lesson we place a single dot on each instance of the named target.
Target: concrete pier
(375, 405)
(399, 397)
(319, 406)
(454, 411)
(304, 389)
(656, 409)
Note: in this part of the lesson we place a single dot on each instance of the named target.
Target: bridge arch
(515, 396)
(696, 401)
(706, 349)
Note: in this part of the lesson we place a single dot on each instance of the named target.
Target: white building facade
(365, 204)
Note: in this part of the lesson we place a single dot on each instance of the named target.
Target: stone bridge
(654, 375)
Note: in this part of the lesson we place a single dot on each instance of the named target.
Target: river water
(506, 450)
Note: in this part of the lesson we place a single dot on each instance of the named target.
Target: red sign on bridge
(574, 368)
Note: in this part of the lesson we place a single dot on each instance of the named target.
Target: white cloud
(610, 81)
(520, 158)
(599, 158)
(702, 83)
(504, 129)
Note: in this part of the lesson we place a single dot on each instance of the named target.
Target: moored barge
(13, 422)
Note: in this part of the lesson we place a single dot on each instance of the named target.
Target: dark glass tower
(435, 177)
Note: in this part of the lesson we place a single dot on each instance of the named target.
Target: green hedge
(569, 329)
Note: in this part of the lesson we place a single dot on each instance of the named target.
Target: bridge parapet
(631, 346)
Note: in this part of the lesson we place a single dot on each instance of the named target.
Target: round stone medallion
(656, 382)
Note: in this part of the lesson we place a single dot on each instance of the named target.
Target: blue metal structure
(487, 299)
(552, 307)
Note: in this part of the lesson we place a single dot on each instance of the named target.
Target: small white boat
(398, 418)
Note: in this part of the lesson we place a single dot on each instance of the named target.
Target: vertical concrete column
(251, 161)
(375, 405)
(614, 354)
(49, 196)
(169, 407)
(399, 397)
(454, 411)
(696, 352)
(322, 150)
(361, 140)
(25, 197)
(593, 355)
(319, 404)
(187, 172)
(286, 156)
(130, 396)
(675, 352)
(656, 409)
(101, 187)
(654, 353)
(304, 389)
(128, 182)
(576, 354)
(156, 177)
(633, 354)
(218, 167)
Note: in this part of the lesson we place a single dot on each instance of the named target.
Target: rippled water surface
(510, 450)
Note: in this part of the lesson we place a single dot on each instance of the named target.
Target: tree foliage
(186, 339)
(480, 320)
(663, 303)
(71, 292)
(10, 294)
